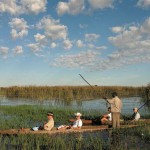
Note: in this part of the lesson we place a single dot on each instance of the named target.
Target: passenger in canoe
(107, 118)
(136, 115)
(77, 124)
(47, 125)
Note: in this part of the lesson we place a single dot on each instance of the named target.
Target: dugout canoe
(55, 131)
(90, 122)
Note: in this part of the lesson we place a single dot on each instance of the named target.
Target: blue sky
(51, 42)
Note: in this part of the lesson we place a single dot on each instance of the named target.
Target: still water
(97, 104)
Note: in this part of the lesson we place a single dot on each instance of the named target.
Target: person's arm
(105, 116)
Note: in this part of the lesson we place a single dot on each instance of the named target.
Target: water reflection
(97, 104)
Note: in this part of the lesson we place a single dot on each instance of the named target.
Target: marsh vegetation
(69, 92)
(29, 116)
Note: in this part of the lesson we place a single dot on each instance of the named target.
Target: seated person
(136, 115)
(47, 125)
(76, 125)
(107, 117)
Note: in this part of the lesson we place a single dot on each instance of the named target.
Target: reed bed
(69, 92)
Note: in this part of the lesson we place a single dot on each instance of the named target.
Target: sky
(51, 42)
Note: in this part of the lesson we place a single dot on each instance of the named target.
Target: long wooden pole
(86, 81)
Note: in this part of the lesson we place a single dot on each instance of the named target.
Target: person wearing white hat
(136, 115)
(76, 125)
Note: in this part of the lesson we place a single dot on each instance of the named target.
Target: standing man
(116, 106)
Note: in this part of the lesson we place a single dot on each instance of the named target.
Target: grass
(27, 116)
(120, 140)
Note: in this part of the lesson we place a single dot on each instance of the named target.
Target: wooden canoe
(90, 122)
(82, 130)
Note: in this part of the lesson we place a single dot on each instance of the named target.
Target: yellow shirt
(49, 125)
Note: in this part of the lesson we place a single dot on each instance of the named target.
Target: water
(97, 104)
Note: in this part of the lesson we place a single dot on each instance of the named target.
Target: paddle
(86, 81)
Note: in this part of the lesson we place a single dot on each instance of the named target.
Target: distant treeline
(69, 92)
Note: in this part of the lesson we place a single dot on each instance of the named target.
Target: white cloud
(117, 29)
(79, 44)
(143, 3)
(10, 7)
(39, 38)
(53, 45)
(91, 37)
(101, 4)
(18, 50)
(93, 47)
(35, 47)
(101, 48)
(67, 44)
(72, 7)
(132, 45)
(145, 28)
(17, 7)
(19, 28)
(4, 51)
(81, 60)
(52, 28)
(33, 6)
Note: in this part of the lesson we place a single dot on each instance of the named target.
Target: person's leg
(118, 120)
(114, 119)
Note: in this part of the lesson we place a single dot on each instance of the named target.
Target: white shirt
(137, 116)
(110, 117)
(77, 123)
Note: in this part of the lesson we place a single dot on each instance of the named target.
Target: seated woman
(47, 125)
(107, 117)
(136, 115)
(50, 123)
(76, 125)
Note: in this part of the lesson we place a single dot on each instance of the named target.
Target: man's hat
(50, 114)
(78, 114)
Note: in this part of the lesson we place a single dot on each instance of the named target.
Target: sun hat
(50, 114)
(78, 114)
